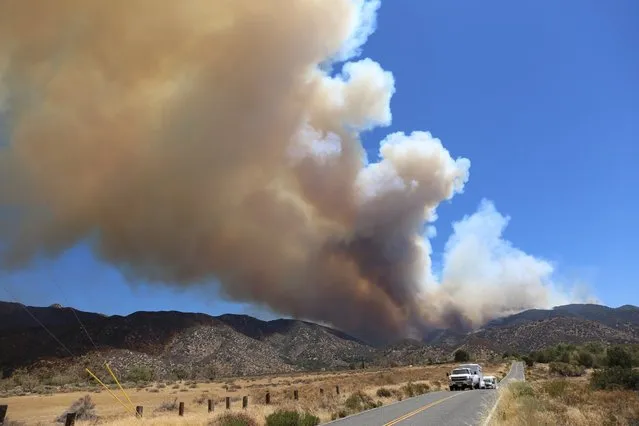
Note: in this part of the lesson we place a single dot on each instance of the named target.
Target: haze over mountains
(226, 345)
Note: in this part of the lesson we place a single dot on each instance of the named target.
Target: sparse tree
(461, 356)
(528, 360)
(618, 357)
(586, 359)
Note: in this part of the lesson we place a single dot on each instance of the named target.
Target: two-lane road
(435, 408)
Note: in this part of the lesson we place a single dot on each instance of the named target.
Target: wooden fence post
(228, 402)
(295, 395)
(244, 401)
(268, 398)
(337, 389)
(211, 405)
(139, 410)
(3, 413)
(181, 409)
(70, 421)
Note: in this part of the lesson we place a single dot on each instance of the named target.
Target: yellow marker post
(108, 390)
(120, 386)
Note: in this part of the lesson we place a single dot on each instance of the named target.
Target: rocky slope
(198, 345)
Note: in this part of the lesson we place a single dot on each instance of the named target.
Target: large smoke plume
(212, 139)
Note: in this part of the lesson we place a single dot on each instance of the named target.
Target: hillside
(204, 346)
(169, 341)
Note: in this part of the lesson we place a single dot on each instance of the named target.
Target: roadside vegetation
(574, 385)
(360, 390)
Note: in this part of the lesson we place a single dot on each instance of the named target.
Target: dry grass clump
(559, 402)
(234, 419)
(84, 409)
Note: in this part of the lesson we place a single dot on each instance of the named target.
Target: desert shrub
(201, 399)
(180, 373)
(168, 406)
(234, 419)
(140, 374)
(359, 401)
(586, 359)
(528, 360)
(618, 357)
(413, 389)
(566, 370)
(60, 379)
(555, 388)
(28, 382)
(398, 394)
(521, 389)
(84, 409)
(461, 356)
(384, 393)
(615, 378)
(291, 418)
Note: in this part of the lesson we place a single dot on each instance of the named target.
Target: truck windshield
(461, 371)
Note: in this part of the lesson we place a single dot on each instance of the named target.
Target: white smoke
(485, 276)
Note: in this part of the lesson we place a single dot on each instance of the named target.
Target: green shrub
(618, 357)
(461, 356)
(615, 378)
(234, 419)
(140, 374)
(528, 360)
(384, 393)
(586, 359)
(566, 370)
(180, 373)
(291, 418)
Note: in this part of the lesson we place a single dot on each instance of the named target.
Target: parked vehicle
(460, 378)
(476, 370)
(491, 382)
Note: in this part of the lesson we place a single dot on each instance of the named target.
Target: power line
(38, 321)
(66, 301)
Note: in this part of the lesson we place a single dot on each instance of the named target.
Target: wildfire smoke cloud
(200, 140)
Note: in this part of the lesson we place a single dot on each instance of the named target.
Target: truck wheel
(451, 388)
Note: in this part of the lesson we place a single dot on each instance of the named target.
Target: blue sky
(542, 97)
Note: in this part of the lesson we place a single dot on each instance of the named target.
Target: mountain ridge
(236, 344)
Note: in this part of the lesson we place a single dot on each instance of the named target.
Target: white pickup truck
(466, 376)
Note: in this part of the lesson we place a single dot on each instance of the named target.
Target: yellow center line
(419, 410)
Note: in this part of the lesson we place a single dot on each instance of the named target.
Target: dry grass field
(545, 400)
(361, 386)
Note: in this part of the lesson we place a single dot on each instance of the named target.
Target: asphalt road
(458, 408)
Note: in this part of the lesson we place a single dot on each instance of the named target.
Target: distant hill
(202, 345)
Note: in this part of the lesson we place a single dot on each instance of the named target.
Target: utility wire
(38, 321)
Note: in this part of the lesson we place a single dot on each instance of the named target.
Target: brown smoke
(201, 140)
